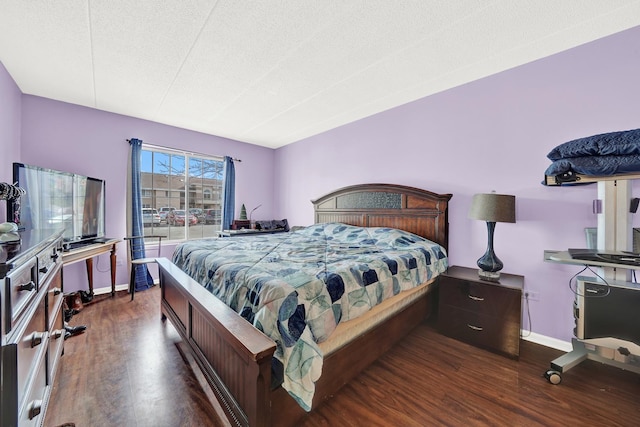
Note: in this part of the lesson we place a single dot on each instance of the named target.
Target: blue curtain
(143, 277)
(229, 196)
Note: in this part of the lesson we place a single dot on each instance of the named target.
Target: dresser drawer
(482, 298)
(501, 334)
(21, 289)
(48, 261)
(56, 345)
(54, 296)
(33, 409)
(30, 343)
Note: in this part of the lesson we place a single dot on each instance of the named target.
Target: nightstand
(482, 313)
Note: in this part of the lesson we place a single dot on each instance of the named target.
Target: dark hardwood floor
(127, 370)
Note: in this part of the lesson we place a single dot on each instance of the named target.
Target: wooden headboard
(387, 205)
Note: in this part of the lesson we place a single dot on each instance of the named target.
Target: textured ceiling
(274, 72)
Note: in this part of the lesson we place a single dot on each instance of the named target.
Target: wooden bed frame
(235, 358)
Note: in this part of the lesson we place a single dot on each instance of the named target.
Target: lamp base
(491, 276)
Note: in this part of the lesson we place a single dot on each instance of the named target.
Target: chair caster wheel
(554, 377)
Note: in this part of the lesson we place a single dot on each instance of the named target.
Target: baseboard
(125, 287)
(107, 290)
(546, 341)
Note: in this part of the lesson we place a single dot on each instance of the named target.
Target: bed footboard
(233, 355)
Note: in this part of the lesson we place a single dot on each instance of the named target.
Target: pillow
(281, 225)
(264, 225)
(620, 143)
(596, 165)
(272, 225)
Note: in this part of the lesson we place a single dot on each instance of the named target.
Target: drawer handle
(58, 333)
(475, 328)
(36, 339)
(475, 298)
(55, 256)
(27, 287)
(35, 408)
(44, 269)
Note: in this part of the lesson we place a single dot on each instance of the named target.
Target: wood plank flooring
(127, 370)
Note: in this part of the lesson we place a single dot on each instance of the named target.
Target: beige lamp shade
(492, 207)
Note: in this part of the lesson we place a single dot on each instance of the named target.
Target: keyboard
(101, 239)
(85, 243)
(626, 258)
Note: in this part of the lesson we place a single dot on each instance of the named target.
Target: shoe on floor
(71, 331)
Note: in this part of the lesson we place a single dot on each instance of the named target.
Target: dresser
(32, 325)
(483, 313)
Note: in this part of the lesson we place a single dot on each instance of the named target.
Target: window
(185, 189)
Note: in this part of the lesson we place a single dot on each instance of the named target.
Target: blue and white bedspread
(295, 287)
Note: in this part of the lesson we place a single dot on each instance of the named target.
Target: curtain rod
(185, 151)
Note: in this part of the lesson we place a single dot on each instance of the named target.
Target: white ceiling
(274, 72)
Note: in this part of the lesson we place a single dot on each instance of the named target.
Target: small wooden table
(87, 253)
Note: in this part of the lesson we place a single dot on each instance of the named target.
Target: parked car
(198, 213)
(163, 213)
(150, 217)
(177, 217)
(212, 216)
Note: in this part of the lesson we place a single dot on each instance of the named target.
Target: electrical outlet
(531, 296)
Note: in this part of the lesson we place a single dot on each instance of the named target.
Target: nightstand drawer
(482, 298)
(486, 314)
(493, 333)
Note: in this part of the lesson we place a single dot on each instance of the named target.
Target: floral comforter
(296, 287)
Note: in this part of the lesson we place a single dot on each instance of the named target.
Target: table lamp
(492, 208)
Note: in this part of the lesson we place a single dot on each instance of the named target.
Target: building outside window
(185, 189)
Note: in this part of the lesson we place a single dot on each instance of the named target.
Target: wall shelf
(563, 257)
(571, 178)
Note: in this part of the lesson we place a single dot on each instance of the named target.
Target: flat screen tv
(56, 199)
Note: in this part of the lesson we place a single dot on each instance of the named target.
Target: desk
(87, 253)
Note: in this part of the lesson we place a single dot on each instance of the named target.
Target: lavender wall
(91, 142)
(491, 134)
(10, 103)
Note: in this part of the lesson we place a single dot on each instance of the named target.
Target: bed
(237, 359)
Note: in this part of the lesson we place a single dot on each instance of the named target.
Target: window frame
(190, 195)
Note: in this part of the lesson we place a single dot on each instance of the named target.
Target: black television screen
(57, 199)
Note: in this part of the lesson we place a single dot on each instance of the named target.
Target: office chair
(137, 244)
